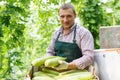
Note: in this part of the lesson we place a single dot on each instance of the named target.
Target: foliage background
(26, 27)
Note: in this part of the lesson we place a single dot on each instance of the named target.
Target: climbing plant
(13, 15)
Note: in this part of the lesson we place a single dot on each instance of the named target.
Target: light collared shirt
(84, 40)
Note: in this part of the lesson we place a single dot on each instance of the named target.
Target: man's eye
(62, 16)
(69, 16)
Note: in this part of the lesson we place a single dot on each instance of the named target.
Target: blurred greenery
(26, 27)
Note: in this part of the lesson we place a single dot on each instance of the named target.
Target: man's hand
(72, 66)
(63, 65)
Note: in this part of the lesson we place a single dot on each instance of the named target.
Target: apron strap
(74, 40)
(58, 36)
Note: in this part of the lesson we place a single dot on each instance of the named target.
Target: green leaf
(1, 42)
(92, 21)
(1, 32)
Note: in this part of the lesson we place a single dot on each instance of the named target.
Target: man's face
(67, 17)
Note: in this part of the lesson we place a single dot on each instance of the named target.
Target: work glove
(63, 65)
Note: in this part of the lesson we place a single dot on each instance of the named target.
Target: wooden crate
(91, 68)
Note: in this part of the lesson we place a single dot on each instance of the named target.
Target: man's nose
(65, 19)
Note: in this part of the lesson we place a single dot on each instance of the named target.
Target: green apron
(68, 50)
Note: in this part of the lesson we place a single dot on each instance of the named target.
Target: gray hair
(67, 6)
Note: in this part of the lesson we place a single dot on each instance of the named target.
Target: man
(72, 41)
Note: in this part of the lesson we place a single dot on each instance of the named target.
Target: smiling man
(71, 41)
